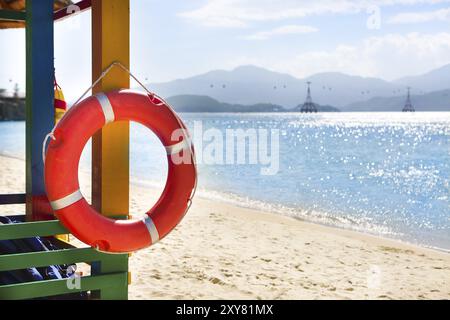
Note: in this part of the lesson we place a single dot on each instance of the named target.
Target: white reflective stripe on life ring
(154, 234)
(107, 109)
(66, 201)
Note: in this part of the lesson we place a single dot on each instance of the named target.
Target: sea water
(382, 173)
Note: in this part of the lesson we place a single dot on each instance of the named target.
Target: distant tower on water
(408, 105)
(309, 106)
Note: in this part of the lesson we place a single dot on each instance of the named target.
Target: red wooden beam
(72, 9)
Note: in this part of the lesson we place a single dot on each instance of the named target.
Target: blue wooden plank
(40, 95)
(12, 198)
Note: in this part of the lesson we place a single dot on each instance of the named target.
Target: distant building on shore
(309, 106)
(408, 105)
(12, 109)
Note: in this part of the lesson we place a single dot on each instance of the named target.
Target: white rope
(105, 72)
(44, 145)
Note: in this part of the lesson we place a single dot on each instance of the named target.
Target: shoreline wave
(303, 214)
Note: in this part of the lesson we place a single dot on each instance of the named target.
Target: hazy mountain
(339, 89)
(319, 108)
(251, 85)
(194, 103)
(433, 101)
(244, 85)
(435, 80)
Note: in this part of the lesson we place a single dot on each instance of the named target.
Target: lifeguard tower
(109, 277)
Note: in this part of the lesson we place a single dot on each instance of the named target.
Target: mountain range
(251, 85)
(195, 103)
(435, 80)
(433, 101)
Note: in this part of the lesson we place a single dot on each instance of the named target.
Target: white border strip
(67, 200)
(154, 234)
(107, 109)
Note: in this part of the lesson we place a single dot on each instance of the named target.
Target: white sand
(220, 251)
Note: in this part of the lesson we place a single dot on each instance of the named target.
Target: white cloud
(240, 13)
(284, 30)
(419, 17)
(389, 57)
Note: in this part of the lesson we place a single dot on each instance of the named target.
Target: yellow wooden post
(110, 147)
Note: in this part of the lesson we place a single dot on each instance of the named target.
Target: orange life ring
(61, 171)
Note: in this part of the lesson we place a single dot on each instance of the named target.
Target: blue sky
(175, 39)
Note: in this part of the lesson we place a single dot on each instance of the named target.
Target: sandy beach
(220, 251)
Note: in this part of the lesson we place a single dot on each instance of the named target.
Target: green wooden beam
(110, 262)
(38, 289)
(13, 15)
(31, 229)
(109, 266)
